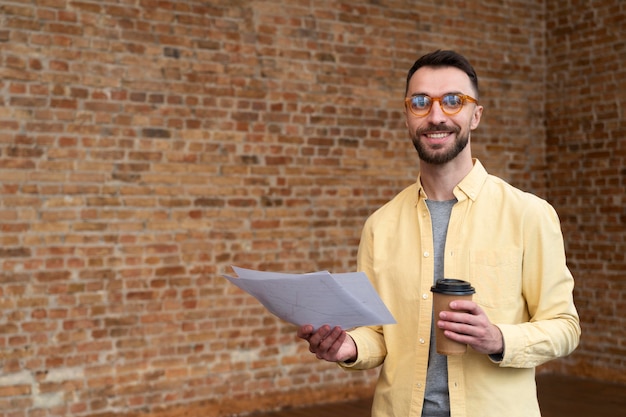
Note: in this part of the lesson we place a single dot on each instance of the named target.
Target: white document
(346, 300)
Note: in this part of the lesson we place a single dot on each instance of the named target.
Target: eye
(452, 101)
(420, 102)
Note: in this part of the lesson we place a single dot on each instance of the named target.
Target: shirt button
(426, 254)
(419, 385)
(425, 296)
(422, 341)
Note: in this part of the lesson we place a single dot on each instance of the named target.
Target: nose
(436, 115)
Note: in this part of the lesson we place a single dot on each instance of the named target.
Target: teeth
(437, 135)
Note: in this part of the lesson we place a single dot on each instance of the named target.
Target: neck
(439, 180)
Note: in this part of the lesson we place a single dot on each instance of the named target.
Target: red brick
(149, 145)
(15, 390)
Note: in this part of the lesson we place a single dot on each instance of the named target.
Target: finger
(460, 328)
(465, 305)
(460, 337)
(324, 349)
(318, 336)
(331, 338)
(330, 354)
(461, 317)
(304, 332)
(338, 342)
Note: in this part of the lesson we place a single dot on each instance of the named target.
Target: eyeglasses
(450, 104)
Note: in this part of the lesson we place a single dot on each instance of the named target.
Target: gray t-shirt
(437, 398)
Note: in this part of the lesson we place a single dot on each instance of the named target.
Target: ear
(476, 115)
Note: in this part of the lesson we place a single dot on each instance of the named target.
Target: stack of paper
(346, 300)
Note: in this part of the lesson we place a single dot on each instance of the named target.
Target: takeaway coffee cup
(445, 291)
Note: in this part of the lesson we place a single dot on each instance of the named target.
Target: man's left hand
(468, 323)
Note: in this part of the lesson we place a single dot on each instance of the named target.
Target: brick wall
(586, 156)
(147, 145)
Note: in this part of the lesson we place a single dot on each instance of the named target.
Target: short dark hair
(441, 58)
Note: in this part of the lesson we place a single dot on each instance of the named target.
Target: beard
(431, 156)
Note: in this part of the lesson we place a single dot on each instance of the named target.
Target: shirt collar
(469, 187)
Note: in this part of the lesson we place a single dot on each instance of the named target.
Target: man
(457, 221)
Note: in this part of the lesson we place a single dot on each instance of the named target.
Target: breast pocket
(497, 277)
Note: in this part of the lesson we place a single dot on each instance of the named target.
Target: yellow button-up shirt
(509, 245)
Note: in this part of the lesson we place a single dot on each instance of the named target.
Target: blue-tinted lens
(420, 103)
(451, 102)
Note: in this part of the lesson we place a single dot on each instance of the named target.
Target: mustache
(437, 128)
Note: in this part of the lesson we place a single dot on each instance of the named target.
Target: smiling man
(457, 221)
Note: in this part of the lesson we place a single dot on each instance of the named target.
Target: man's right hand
(333, 345)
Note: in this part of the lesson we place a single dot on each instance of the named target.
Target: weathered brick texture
(147, 145)
(586, 156)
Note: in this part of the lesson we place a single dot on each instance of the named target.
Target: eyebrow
(444, 94)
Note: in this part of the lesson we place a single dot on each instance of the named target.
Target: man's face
(438, 137)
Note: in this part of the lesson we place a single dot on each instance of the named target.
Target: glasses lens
(452, 102)
(420, 104)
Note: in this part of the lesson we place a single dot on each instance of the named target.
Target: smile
(438, 135)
